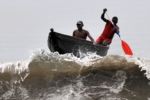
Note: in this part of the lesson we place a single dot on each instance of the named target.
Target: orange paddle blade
(127, 50)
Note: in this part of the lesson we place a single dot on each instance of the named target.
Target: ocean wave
(48, 75)
(54, 65)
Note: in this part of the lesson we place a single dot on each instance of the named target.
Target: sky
(25, 24)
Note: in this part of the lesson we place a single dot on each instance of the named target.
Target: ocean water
(50, 76)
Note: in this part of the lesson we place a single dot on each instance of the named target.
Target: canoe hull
(68, 44)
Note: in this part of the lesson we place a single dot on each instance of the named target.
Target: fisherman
(110, 29)
(81, 33)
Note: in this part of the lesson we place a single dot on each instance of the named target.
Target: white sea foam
(51, 76)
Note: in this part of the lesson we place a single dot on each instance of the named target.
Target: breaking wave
(51, 76)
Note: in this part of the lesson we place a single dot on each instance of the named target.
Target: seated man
(81, 33)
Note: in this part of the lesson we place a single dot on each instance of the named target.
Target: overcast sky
(24, 24)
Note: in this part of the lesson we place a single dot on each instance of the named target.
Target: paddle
(126, 48)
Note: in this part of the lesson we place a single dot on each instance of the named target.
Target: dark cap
(80, 23)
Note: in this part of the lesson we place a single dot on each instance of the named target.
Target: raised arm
(103, 15)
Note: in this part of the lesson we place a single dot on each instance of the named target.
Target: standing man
(110, 29)
(81, 33)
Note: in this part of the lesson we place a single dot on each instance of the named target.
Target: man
(81, 33)
(110, 29)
